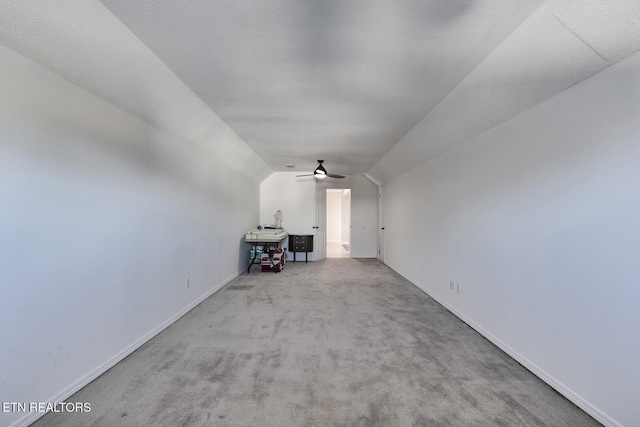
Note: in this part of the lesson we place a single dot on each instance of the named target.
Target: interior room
(467, 172)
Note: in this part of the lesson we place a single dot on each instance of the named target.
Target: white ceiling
(340, 80)
(368, 85)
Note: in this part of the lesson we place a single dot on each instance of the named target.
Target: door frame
(381, 227)
(320, 227)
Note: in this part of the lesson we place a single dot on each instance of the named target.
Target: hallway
(337, 250)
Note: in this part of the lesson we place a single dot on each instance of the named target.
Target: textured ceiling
(340, 80)
(87, 45)
(560, 44)
(372, 87)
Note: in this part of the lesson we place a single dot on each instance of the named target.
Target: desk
(265, 244)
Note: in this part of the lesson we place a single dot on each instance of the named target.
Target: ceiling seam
(578, 36)
(608, 61)
(480, 63)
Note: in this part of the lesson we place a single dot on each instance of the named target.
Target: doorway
(338, 223)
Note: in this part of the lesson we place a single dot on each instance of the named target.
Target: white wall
(295, 197)
(537, 220)
(103, 218)
(346, 216)
(334, 215)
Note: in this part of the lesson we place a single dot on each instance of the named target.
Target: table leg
(252, 260)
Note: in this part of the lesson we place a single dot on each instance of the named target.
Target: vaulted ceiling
(370, 86)
(336, 80)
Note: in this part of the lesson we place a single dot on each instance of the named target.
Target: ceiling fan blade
(309, 174)
(332, 175)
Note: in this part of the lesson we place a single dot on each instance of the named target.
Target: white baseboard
(86, 379)
(536, 370)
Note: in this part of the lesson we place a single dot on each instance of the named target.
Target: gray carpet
(341, 342)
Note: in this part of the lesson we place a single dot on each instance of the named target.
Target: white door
(320, 238)
(381, 224)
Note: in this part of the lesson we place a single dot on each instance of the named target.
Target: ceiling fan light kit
(320, 171)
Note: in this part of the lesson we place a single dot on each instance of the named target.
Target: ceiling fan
(321, 172)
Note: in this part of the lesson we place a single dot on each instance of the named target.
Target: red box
(274, 262)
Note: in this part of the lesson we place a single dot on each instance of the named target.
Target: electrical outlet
(458, 287)
(451, 284)
(186, 283)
